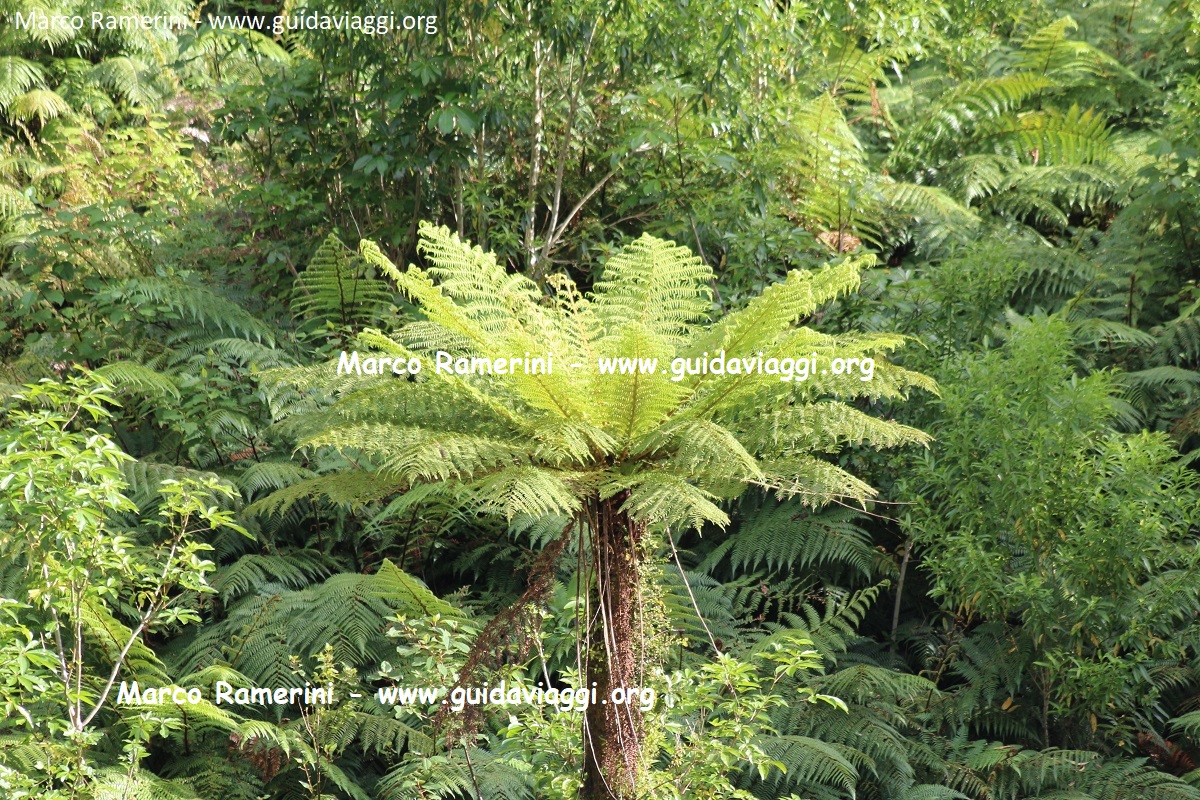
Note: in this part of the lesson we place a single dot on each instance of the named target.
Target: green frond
(117, 784)
(655, 286)
(978, 175)
(538, 530)
(253, 354)
(202, 306)
(808, 762)
(662, 498)
(1047, 51)
(830, 630)
(212, 775)
(1050, 192)
(822, 427)
(827, 168)
(294, 570)
(340, 287)
(704, 449)
(342, 781)
(133, 376)
(235, 46)
(128, 78)
(630, 406)
(348, 611)
(386, 735)
(13, 203)
(475, 295)
(812, 481)
(522, 490)
(1091, 330)
(1053, 137)
(265, 476)
(929, 791)
(39, 104)
(437, 781)
(352, 489)
(110, 635)
(755, 327)
(860, 684)
(963, 109)
(145, 478)
(412, 455)
(1161, 378)
(934, 208)
(699, 607)
(17, 77)
(785, 536)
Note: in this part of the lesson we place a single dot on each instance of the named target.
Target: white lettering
(129, 694)
(348, 363)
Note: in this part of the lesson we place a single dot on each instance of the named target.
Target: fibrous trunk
(613, 732)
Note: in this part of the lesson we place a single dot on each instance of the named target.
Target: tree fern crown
(665, 433)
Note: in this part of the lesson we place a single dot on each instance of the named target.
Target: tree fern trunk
(613, 733)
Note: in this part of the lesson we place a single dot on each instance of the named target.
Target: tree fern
(117, 784)
(647, 448)
(340, 287)
(202, 306)
(789, 537)
(131, 375)
(17, 77)
(270, 622)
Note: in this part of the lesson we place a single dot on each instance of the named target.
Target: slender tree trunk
(908, 546)
(613, 733)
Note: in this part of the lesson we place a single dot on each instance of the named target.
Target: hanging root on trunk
(508, 638)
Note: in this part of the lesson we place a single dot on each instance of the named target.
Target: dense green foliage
(974, 575)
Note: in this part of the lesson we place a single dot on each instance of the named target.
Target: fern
(117, 784)
(270, 623)
(296, 570)
(340, 287)
(204, 307)
(788, 537)
(810, 763)
(17, 77)
(131, 375)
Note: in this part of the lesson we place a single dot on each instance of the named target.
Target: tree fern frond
(117, 784)
(1161, 377)
(295, 570)
(13, 203)
(784, 536)
(666, 499)
(17, 76)
(961, 110)
(340, 287)
(523, 490)
(809, 762)
(654, 284)
(131, 375)
(128, 78)
(201, 305)
(40, 104)
(262, 476)
(348, 611)
(1047, 51)
(930, 204)
(350, 489)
